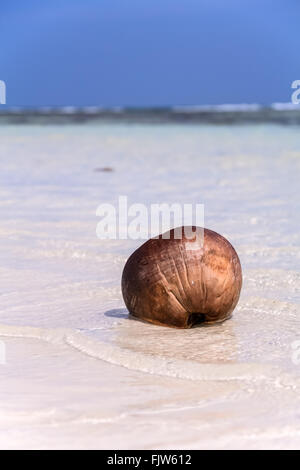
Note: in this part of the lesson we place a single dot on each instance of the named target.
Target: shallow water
(61, 297)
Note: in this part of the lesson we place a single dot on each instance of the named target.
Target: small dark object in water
(179, 282)
(105, 169)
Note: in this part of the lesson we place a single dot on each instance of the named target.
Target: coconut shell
(180, 282)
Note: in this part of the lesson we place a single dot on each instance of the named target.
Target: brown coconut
(179, 282)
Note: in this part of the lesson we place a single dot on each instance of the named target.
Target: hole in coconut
(196, 318)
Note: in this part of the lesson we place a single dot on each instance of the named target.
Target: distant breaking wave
(218, 108)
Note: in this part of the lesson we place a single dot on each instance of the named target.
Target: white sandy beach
(79, 372)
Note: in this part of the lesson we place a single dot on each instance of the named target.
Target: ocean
(78, 371)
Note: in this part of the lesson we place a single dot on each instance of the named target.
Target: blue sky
(148, 52)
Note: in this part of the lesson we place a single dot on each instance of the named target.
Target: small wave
(147, 363)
